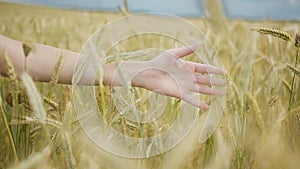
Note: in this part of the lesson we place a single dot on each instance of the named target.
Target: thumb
(184, 51)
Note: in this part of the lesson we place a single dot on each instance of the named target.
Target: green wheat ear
(274, 32)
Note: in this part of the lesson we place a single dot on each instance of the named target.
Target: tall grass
(256, 130)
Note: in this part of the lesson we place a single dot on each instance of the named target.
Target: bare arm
(167, 73)
(41, 62)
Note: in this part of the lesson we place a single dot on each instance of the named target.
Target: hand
(169, 75)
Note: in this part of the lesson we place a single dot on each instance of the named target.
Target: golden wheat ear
(57, 70)
(273, 32)
(11, 72)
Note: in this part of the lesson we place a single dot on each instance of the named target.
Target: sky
(244, 9)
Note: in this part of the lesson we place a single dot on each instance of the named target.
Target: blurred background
(243, 9)
(259, 128)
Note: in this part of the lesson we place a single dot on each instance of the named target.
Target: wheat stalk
(67, 146)
(297, 40)
(67, 143)
(235, 144)
(126, 6)
(102, 94)
(285, 36)
(294, 70)
(273, 32)
(9, 131)
(216, 14)
(125, 11)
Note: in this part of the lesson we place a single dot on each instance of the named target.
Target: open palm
(172, 76)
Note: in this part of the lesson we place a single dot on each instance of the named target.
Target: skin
(166, 74)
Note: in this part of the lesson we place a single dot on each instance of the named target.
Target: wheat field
(259, 128)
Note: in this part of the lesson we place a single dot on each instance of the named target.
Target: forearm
(42, 60)
(14, 50)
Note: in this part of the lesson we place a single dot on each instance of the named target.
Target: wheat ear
(57, 70)
(34, 98)
(273, 32)
(11, 72)
(255, 108)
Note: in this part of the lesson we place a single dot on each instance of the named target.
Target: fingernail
(194, 46)
(205, 107)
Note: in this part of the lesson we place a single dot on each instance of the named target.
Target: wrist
(142, 75)
(136, 72)
(133, 72)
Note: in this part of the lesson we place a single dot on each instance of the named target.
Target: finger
(204, 68)
(208, 90)
(209, 80)
(184, 51)
(195, 102)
